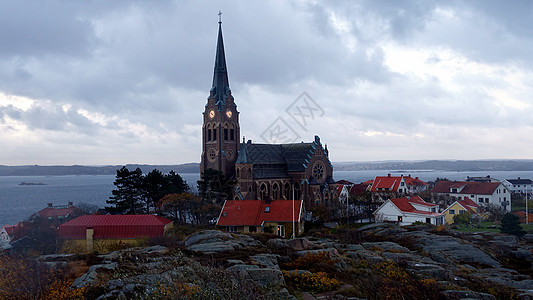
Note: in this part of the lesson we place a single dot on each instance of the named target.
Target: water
(18, 202)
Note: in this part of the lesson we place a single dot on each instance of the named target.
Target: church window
(262, 192)
(275, 191)
(230, 154)
(209, 134)
(212, 154)
(297, 191)
(287, 191)
(214, 134)
(232, 134)
(318, 170)
(238, 173)
(225, 134)
(249, 173)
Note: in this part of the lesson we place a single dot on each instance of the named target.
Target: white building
(483, 193)
(407, 210)
(519, 185)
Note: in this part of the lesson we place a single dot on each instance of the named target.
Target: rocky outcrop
(212, 261)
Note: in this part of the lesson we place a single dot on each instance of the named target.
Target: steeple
(220, 86)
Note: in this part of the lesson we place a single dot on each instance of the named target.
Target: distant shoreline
(437, 165)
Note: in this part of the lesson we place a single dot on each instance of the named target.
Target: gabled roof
(405, 204)
(59, 211)
(359, 188)
(256, 212)
(114, 226)
(342, 181)
(386, 183)
(414, 181)
(473, 188)
(467, 204)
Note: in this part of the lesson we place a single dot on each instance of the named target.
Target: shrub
(462, 218)
(313, 262)
(511, 225)
(315, 282)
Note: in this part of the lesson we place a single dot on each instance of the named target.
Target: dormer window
(267, 209)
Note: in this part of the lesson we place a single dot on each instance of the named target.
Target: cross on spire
(219, 17)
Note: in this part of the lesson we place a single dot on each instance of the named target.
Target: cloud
(126, 81)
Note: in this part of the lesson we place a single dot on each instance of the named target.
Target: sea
(18, 202)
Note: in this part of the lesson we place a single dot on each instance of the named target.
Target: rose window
(318, 170)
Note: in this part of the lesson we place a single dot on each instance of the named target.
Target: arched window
(287, 191)
(250, 173)
(262, 192)
(297, 192)
(209, 132)
(326, 199)
(238, 172)
(232, 132)
(275, 191)
(214, 132)
(226, 132)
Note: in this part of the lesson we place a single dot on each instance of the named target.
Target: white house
(483, 193)
(407, 210)
(519, 185)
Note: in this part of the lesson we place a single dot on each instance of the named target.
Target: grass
(487, 227)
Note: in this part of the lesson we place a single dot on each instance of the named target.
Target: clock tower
(220, 129)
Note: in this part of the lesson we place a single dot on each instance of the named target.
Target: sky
(114, 82)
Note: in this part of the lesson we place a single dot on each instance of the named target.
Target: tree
(129, 194)
(511, 225)
(214, 187)
(153, 188)
(462, 218)
(178, 206)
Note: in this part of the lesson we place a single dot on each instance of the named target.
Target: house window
(252, 229)
(281, 230)
(400, 219)
(402, 183)
(232, 228)
(428, 220)
(451, 211)
(461, 211)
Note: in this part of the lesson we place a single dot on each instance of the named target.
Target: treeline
(169, 195)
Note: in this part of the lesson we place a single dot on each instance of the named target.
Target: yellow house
(460, 207)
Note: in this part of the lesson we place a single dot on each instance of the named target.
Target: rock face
(213, 241)
(212, 263)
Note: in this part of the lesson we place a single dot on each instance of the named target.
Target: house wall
(500, 195)
(518, 188)
(388, 212)
(448, 217)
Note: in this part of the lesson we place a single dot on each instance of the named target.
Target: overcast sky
(116, 82)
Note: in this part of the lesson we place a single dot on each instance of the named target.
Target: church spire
(220, 86)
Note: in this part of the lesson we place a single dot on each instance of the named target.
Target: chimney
(50, 204)
(416, 177)
(388, 174)
(518, 178)
(70, 204)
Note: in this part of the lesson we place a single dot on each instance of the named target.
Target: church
(299, 171)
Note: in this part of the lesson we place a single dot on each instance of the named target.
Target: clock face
(211, 114)
(229, 113)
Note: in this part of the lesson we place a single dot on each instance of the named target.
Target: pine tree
(214, 187)
(511, 225)
(127, 197)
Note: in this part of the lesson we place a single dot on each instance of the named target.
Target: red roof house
(483, 193)
(91, 228)
(398, 184)
(57, 214)
(258, 216)
(407, 210)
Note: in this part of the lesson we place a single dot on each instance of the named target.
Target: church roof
(276, 160)
(220, 86)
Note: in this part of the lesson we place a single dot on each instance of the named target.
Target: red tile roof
(405, 204)
(55, 212)
(386, 183)
(114, 226)
(358, 189)
(414, 181)
(253, 212)
(474, 188)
